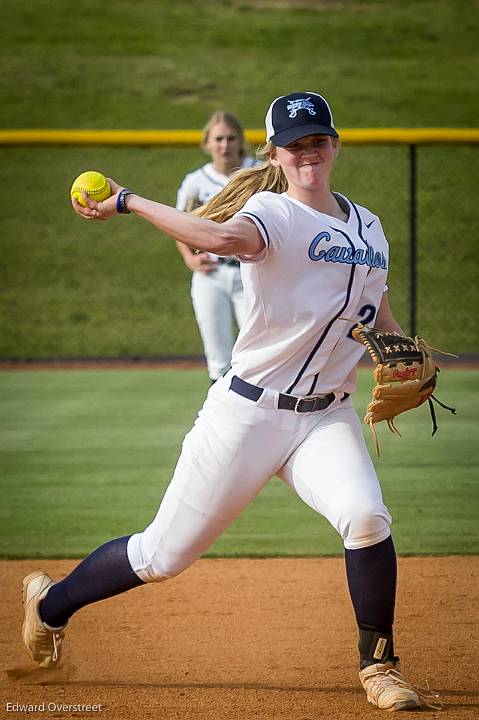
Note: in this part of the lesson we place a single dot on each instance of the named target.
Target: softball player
(216, 287)
(310, 258)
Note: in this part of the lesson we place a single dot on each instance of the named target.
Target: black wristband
(121, 201)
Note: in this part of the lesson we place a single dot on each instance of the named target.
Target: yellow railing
(190, 138)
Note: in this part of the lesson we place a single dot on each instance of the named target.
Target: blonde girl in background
(216, 287)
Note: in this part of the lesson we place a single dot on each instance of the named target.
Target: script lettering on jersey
(341, 254)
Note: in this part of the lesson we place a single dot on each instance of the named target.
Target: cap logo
(302, 104)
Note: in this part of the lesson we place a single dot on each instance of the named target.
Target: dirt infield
(269, 639)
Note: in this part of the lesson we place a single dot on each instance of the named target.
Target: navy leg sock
(103, 574)
(372, 574)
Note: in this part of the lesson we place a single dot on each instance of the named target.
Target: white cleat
(42, 643)
(387, 689)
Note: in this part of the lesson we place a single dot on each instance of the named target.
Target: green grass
(86, 456)
(69, 288)
(155, 63)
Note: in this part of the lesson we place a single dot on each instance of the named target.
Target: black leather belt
(228, 261)
(285, 402)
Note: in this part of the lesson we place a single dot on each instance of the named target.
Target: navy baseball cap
(296, 115)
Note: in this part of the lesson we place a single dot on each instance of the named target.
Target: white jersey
(314, 270)
(205, 183)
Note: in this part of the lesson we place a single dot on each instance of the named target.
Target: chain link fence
(433, 277)
(69, 288)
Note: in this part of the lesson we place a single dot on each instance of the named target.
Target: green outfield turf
(85, 456)
(157, 63)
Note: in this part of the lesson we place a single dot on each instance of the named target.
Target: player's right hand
(98, 210)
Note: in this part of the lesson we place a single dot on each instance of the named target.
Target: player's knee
(162, 567)
(157, 565)
(364, 525)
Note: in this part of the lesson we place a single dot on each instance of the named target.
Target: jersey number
(366, 314)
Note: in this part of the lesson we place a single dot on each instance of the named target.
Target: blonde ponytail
(242, 186)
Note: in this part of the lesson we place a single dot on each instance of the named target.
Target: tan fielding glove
(192, 203)
(405, 376)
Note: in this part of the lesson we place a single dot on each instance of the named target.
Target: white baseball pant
(218, 298)
(234, 448)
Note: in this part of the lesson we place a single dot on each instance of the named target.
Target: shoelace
(428, 698)
(57, 641)
(45, 637)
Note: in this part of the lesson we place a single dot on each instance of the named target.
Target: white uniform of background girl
(216, 287)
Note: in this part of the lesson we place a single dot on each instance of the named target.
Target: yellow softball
(94, 184)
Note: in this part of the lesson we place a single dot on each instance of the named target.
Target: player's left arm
(385, 319)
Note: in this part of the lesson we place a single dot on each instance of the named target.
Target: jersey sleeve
(272, 217)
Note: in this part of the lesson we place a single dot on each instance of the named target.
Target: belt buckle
(311, 399)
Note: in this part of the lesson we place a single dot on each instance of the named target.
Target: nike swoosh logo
(368, 225)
